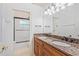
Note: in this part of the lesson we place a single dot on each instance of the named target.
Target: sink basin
(61, 43)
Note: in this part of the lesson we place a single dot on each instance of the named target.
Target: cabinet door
(36, 49)
(40, 50)
(46, 53)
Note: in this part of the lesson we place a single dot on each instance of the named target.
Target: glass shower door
(21, 30)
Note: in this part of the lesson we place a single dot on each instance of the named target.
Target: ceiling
(43, 5)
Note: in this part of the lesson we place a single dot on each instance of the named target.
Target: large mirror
(66, 21)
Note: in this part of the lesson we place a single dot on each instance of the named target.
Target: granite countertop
(73, 49)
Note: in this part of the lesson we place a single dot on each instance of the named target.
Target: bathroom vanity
(41, 48)
(49, 46)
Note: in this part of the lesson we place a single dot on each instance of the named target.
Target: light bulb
(63, 7)
(52, 7)
(69, 4)
(50, 13)
(57, 10)
(53, 12)
(46, 12)
(58, 4)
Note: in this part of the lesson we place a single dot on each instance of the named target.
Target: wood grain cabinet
(43, 49)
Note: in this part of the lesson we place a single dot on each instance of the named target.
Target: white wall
(0, 23)
(7, 21)
(36, 18)
(66, 22)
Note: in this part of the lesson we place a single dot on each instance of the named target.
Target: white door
(22, 30)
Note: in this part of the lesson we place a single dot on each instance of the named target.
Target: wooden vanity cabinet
(43, 49)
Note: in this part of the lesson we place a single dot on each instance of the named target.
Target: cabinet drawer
(36, 50)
